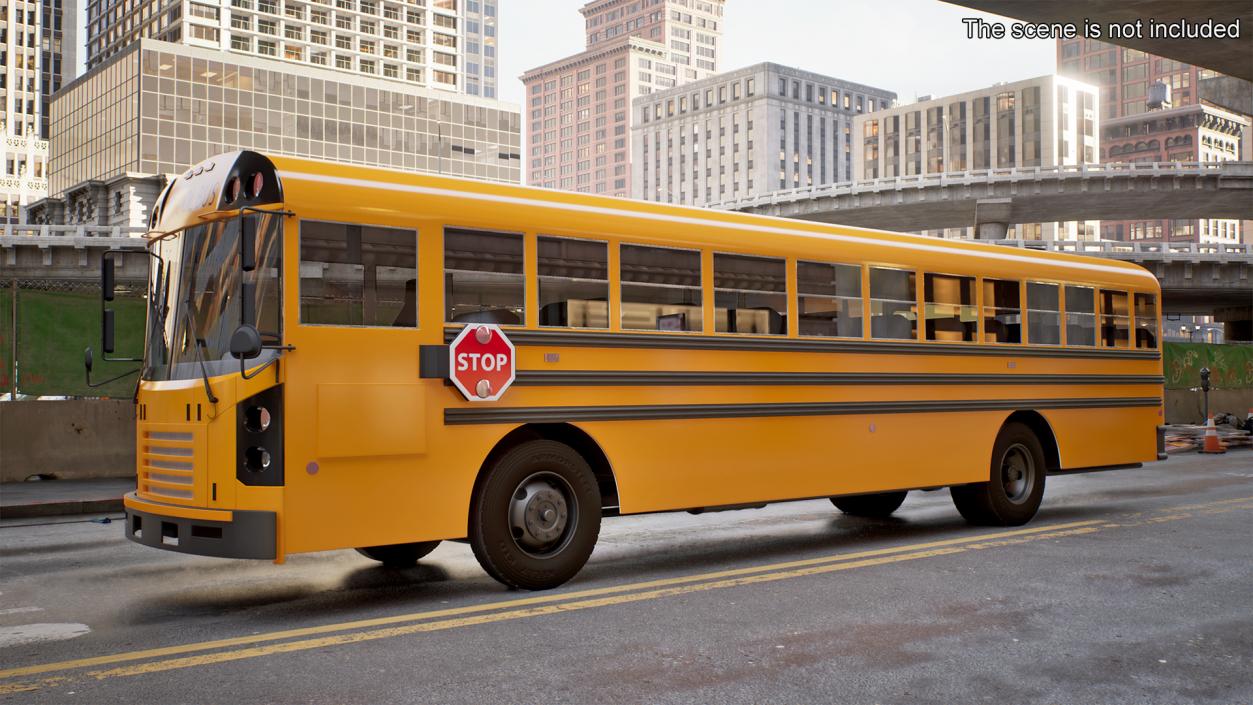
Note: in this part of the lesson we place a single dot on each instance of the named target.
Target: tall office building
(40, 54)
(479, 48)
(578, 109)
(1124, 75)
(419, 43)
(158, 108)
(1039, 122)
(746, 133)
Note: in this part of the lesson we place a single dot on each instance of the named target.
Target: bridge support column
(992, 217)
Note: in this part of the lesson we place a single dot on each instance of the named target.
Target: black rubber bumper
(250, 535)
(1161, 442)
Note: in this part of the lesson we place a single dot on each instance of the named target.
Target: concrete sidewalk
(24, 500)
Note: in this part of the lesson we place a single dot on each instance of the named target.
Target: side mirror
(106, 277)
(106, 331)
(87, 360)
(248, 243)
(246, 342)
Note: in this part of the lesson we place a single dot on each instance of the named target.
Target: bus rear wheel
(536, 516)
(1015, 487)
(874, 506)
(399, 555)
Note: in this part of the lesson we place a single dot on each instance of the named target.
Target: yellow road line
(557, 608)
(505, 604)
(540, 605)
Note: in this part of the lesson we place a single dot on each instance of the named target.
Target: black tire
(399, 555)
(1015, 485)
(873, 506)
(535, 516)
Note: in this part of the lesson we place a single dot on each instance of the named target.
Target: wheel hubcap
(542, 513)
(1017, 473)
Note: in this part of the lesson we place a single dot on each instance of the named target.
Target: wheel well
(1048, 442)
(573, 436)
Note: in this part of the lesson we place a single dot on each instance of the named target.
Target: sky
(912, 47)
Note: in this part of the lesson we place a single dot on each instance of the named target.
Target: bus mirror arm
(87, 363)
(246, 344)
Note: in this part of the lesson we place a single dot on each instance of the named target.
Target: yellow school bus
(295, 391)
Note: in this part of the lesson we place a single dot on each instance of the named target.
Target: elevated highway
(994, 198)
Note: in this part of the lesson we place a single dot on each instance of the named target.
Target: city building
(1190, 133)
(40, 54)
(1124, 75)
(479, 44)
(1039, 122)
(416, 43)
(746, 133)
(158, 108)
(578, 109)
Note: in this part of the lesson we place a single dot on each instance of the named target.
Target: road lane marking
(453, 618)
(504, 604)
(20, 610)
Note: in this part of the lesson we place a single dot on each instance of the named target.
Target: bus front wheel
(874, 506)
(1012, 494)
(536, 516)
(399, 555)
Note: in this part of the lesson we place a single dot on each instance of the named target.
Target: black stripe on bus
(562, 338)
(557, 414)
(628, 378)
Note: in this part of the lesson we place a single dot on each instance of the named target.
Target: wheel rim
(1017, 473)
(542, 514)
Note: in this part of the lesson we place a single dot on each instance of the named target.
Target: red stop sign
(481, 362)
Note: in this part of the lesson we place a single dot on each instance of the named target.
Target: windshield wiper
(199, 343)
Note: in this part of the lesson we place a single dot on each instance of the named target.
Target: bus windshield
(194, 297)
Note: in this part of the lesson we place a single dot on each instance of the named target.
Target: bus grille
(168, 464)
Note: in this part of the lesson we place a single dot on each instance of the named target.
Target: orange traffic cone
(1212, 444)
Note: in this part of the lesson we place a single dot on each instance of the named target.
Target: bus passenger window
(1080, 316)
(573, 283)
(750, 295)
(1115, 319)
(830, 299)
(1043, 323)
(358, 275)
(893, 304)
(1002, 312)
(950, 310)
(1146, 321)
(483, 280)
(660, 289)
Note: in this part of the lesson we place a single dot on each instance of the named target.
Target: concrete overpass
(67, 251)
(994, 198)
(1229, 56)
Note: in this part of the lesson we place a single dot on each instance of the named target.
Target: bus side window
(573, 282)
(750, 295)
(1115, 319)
(1002, 312)
(1146, 321)
(1080, 316)
(358, 275)
(483, 279)
(950, 308)
(1043, 323)
(661, 289)
(829, 299)
(893, 304)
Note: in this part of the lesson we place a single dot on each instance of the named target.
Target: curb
(61, 508)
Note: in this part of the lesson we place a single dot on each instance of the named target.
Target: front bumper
(203, 532)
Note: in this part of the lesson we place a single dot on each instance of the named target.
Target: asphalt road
(1132, 586)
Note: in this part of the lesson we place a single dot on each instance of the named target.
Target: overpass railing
(1139, 250)
(12, 230)
(992, 176)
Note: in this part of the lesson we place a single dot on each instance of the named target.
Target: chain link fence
(45, 324)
